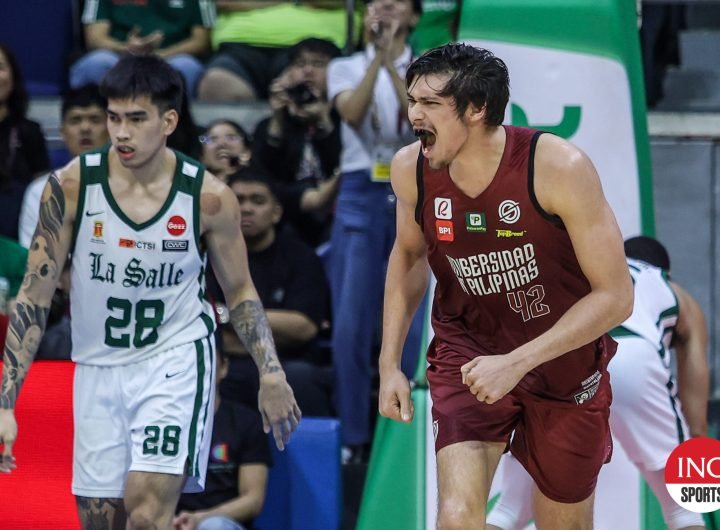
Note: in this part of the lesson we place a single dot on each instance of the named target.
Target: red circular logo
(692, 475)
(176, 225)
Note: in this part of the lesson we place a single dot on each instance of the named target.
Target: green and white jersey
(136, 289)
(655, 310)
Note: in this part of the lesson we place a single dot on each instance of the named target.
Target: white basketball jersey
(136, 289)
(655, 310)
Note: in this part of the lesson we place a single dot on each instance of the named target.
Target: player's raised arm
(221, 228)
(567, 185)
(406, 282)
(46, 258)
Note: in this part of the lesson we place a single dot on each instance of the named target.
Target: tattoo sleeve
(252, 326)
(28, 318)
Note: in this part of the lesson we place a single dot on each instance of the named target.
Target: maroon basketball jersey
(506, 272)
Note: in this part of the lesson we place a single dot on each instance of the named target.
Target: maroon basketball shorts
(562, 444)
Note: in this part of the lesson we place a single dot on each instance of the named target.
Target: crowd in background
(312, 178)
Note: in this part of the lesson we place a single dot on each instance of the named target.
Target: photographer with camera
(299, 144)
(368, 90)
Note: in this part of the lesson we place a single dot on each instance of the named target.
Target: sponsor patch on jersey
(175, 245)
(510, 233)
(176, 225)
(443, 208)
(509, 211)
(98, 232)
(131, 243)
(589, 388)
(475, 222)
(444, 230)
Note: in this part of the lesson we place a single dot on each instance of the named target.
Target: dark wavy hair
(475, 76)
(18, 99)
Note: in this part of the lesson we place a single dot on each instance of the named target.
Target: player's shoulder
(68, 177)
(403, 172)
(217, 201)
(557, 154)
(406, 159)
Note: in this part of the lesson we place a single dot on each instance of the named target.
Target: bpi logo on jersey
(443, 208)
(692, 475)
(509, 211)
(176, 226)
(444, 230)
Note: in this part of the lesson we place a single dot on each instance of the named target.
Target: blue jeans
(93, 66)
(362, 237)
(219, 522)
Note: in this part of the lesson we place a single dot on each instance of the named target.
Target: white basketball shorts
(645, 416)
(154, 416)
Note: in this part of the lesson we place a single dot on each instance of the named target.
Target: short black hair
(313, 45)
(136, 76)
(256, 174)
(475, 76)
(649, 250)
(84, 96)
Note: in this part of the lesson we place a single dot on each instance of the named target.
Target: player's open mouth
(427, 139)
(124, 149)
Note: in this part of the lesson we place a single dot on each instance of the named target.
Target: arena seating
(41, 35)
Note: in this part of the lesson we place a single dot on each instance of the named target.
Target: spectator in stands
(226, 148)
(291, 283)
(251, 39)
(237, 471)
(300, 142)
(23, 153)
(83, 128)
(368, 90)
(179, 32)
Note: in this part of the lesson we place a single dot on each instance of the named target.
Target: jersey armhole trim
(555, 219)
(420, 188)
(80, 203)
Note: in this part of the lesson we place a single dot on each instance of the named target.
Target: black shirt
(289, 275)
(237, 439)
(23, 155)
(300, 160)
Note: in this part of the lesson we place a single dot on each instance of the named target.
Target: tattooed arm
(221, 229)
(48, 252)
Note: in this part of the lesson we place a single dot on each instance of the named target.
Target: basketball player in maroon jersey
(531, 275)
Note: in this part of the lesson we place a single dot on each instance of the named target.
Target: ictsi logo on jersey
(692, 475)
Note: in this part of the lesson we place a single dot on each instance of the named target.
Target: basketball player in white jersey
(646, 417)
(138, 219)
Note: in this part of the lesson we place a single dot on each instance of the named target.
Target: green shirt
(12, 264)
(435, 25)
(175, 18)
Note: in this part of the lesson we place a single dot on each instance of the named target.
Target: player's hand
(490, 377)
(394, 400)
(8, 433)
(278, 408)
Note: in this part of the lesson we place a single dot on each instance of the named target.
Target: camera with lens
(301, 94)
